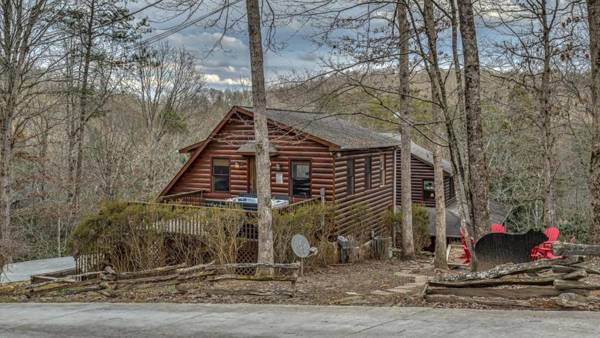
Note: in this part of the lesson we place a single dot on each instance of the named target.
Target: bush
(305, 220)
(421, 236)
(134, 237)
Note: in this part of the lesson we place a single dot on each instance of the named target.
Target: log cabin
(310, 153)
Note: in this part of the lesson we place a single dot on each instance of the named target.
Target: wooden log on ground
(290, 266)
(36, 279)
(154, 285)
(56, 281)
(560, 284)
(197, 275)
(512, 269)
(36, 289)
(516, 293)
(500, 302)
(82, 289)
(574, 267)
(252, 278)
(507, 280)
(68, 279)
(575, 275)
(147, 273)
(564, 269)
(195, 268)
(587, 269)
(572, 249)
(146, 280)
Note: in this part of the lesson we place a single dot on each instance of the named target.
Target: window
(350, 177)
(220, 175)
(300, 178)
(428, 190)
(382, 168)
(368, 176)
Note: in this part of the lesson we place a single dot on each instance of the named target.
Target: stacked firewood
(110, 283)
(565, 282)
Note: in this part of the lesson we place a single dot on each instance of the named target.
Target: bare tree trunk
(436, 113)
(83, 114)
(594, 26)
(547, 124)
(5, 180)
(261, 134)
(549, 160)
(408, 245)
(478, 172)
(458, 160)
(440, 261)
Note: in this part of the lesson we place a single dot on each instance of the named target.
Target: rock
(571, 300)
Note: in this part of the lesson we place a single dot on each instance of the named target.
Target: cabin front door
(251, 175)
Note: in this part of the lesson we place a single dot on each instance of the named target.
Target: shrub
(133, 236)
(420, 216)
(136, 236)
(306, 220)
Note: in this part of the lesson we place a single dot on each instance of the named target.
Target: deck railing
(196, 198)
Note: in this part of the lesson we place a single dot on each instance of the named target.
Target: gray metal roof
(422, 153)
(330, 128)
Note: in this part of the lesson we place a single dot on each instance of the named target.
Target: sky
(227, 65)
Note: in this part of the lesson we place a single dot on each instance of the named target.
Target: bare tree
(478, 172)
(167, 86)
(594, 28)
(24, 65)
(458, 153)
(537, 39)
(438, 104)
(408, 246)
(261, 134)
(95, 35)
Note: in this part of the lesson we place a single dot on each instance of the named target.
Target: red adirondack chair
(544, 250)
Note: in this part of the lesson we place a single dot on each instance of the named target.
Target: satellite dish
(300, 246)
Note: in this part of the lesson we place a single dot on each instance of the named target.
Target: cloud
(225, 58)
(496, 9)
(216, 80)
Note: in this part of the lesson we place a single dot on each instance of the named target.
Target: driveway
(24, 270)
(246, 320)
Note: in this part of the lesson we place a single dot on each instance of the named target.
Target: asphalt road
(245, 320)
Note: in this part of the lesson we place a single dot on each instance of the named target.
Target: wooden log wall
(239, 130)
(420, 171)
(362, 211)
